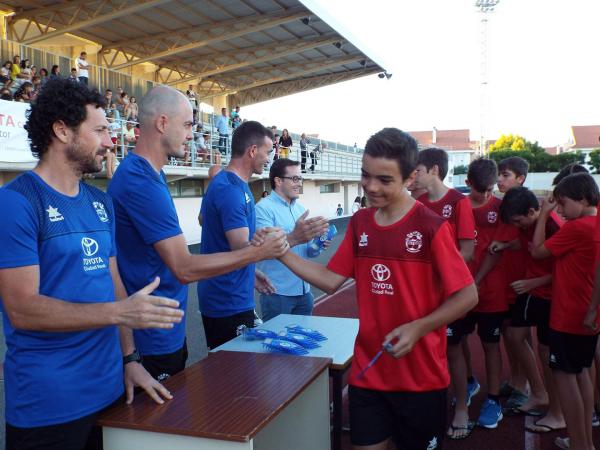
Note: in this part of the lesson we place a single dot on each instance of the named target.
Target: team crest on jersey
(54, 215)
(492, 216)
(363, 240)
(414, 242)
(446, 211)
(101, 211)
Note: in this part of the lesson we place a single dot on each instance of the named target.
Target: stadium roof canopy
(251, 50)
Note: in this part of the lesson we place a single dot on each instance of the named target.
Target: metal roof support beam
(259, 25)
(331, 65)
(97, 19)
(301, 47)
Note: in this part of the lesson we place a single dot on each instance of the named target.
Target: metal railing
(205, 150)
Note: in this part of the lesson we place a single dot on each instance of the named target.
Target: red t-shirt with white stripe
(456, 208)
(574, 248)
(403, 272)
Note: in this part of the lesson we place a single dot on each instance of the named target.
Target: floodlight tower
(486, 8)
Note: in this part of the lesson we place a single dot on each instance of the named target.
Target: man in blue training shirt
(149, 239)
(281, 209)
(59, 281)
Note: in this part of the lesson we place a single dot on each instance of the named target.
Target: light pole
(485, 7)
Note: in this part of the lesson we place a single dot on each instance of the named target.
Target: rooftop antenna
(486, 8)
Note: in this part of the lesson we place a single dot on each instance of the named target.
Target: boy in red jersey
(491, 310)
(410, 282)
(572, 345)
(520, 207)
(512, 172)
(432, 167)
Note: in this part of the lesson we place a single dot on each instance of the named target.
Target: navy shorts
(570, 353)
(456, 330)
(531, 311)
(413, 420)
(489, 325)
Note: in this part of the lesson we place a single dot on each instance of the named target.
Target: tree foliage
(539, 161)
(460, 170)
(595, 159)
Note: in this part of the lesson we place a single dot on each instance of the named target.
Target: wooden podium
(230, 401)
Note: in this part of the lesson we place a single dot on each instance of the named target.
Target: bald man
(149, 239)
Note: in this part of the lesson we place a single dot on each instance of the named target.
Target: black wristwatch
(133, 357)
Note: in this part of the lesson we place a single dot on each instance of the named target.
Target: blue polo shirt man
(281, 209)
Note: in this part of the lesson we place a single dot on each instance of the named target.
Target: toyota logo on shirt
(89, 246)
(379, 272)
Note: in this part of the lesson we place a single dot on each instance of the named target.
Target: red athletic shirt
(456, 209)
(574, 248)
(514, 262)
(492, 296)
(403, 272)
(536, 268)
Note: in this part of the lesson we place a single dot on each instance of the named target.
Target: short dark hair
(482, 173)
(59, 100)
(517, 202)
(515, 164)
(247, 134)
(434, 157)
(578, 186)
(568, 170)
(392, 143)
(278, 169)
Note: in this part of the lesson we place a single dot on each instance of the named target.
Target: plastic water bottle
(318, 244)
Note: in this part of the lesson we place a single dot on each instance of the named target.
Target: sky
(543, 71)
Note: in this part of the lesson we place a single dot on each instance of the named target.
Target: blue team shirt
(58, 377)
(227, 205)
(145, 214)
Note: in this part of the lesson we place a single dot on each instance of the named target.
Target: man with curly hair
(60, 286)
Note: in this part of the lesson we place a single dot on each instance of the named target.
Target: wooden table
(339, 346)
(230, 401)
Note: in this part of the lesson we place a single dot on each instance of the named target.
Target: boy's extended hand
(497, 246)
(522, 286)
(406, 337)
(548, 204)
(590, 320)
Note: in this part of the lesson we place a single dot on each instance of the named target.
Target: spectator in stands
(43, 76)
(73, 76)
(25, 92)
(275, 147)
(304, 141)
(55, 72)
(356, 204)
(314, 156)
(6, 95)
(133, 109)
(33, 71)
(222, 126)
(25, 64)
(5, 72)
(129, 137)
(15, 69)
(191, 95)
(37, 86)
(114, 127)
(264, 194)
(235, 117)
(123, 105)
(339, 211)
(285, 144)
(83, 68)
(108, 100)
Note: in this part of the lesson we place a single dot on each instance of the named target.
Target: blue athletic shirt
(227, 205)
(145, 214)
(58, 377)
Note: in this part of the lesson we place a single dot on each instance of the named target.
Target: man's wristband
(133, 357)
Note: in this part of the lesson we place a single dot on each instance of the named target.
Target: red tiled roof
(551, 150)
(586, 136)
(447, 139)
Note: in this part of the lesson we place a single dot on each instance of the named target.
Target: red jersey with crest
(492, 295)
(574, 248)
(456, 209)
(513, 262)
(536, 268)
(403, 272)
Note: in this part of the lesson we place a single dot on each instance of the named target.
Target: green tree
(460, 170)
(595, 159)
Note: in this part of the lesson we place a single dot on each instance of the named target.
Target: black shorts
(531, 311)
(80, 434)
(456, 330)
(162, 367)
(219, 330)
(570, 353)
(414, 420)
(488, 325)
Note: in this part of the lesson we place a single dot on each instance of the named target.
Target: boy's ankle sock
(471, 379)
(496, 398)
